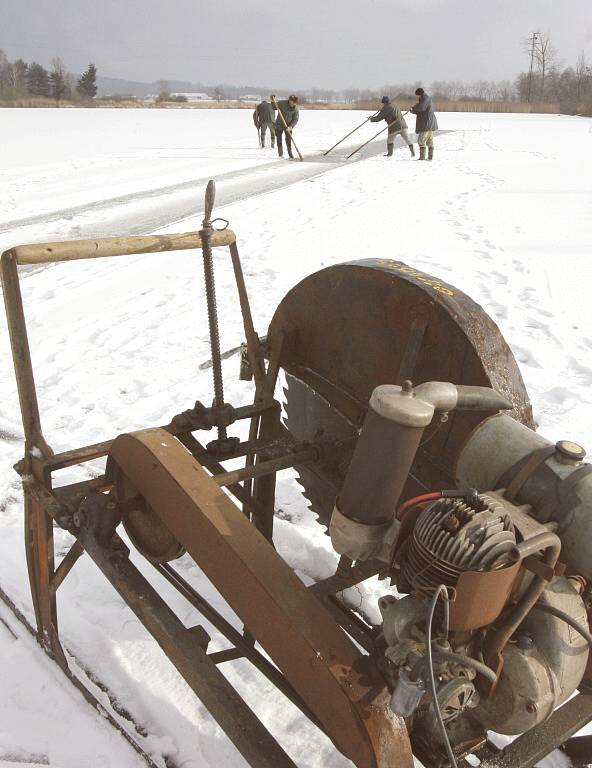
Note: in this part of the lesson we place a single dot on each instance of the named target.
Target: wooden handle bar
(73, 250)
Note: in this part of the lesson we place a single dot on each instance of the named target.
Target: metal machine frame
(316, 665)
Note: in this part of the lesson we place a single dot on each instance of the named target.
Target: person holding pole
(393, 116)
(286, 120)
(425, 124)
(265, 114)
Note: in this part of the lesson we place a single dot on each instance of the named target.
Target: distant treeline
(548, 86)
(20, 80)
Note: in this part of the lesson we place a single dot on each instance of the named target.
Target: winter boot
(422, 153)
(389, 150)
(412, 150)
(430, 153)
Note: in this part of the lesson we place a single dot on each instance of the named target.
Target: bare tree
(164, 91)
(18, 74)
(545, 55)
(582, 72)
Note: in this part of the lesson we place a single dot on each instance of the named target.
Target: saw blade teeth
(305, 413)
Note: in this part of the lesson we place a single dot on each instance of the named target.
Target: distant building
(250, 97)
(194, 96)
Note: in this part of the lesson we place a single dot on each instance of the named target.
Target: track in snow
(151, 210)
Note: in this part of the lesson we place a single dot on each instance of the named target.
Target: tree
(37, 80)
(18, 76)
(164, 91)
(57, 81)
(5, 85)
(87, 82)
(544, 55)
(582, 73)
(219, 92)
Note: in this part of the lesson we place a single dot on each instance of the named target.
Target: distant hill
(112, 86)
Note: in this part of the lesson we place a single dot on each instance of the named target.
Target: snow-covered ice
(504, 213)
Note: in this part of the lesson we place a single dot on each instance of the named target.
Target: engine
(487, 629)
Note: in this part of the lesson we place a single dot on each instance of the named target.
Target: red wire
(417, 500)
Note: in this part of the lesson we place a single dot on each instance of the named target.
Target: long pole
(349, 134)
(382, 130)
(287, 128)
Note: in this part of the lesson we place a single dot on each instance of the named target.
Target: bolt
(525, 642)
(451, 523)
(79, 518)
(407, 387)
(531, 707)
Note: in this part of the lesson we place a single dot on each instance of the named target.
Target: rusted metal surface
(254, 352)
(550, 544)
(40, 564)
(579, 751)
(352, 327)
(264, 427)
(268, 467)
(481, 596)
(21, 356)
(66, 566)
(243, 648)
(238, 721)
(531, 747)
(342, 579)
(316, 657)
(396, 323)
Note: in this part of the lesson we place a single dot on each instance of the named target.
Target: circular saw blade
(310, 417)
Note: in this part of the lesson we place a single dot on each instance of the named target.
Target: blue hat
(385, 99)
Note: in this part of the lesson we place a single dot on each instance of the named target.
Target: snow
(504, 213)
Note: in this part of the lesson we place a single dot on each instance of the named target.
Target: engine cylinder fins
(145, 529)
(452, 537)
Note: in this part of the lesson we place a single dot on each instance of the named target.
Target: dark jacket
(265, 113)
(425, 119)
(393, 116)
(290, 114)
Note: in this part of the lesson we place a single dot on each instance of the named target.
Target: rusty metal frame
(338, 693)
(268, 450)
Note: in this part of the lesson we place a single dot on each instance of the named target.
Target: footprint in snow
(500, 278)
(580, 370)
(526, 294)
(525, 356)
(558, 395)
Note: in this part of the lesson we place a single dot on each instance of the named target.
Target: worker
(264, 115)
(425, 124)
(288, 109)
(393, 116)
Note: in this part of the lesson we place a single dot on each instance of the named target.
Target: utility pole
(533, 42)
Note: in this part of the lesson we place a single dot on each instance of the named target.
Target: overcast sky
(293, 43)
